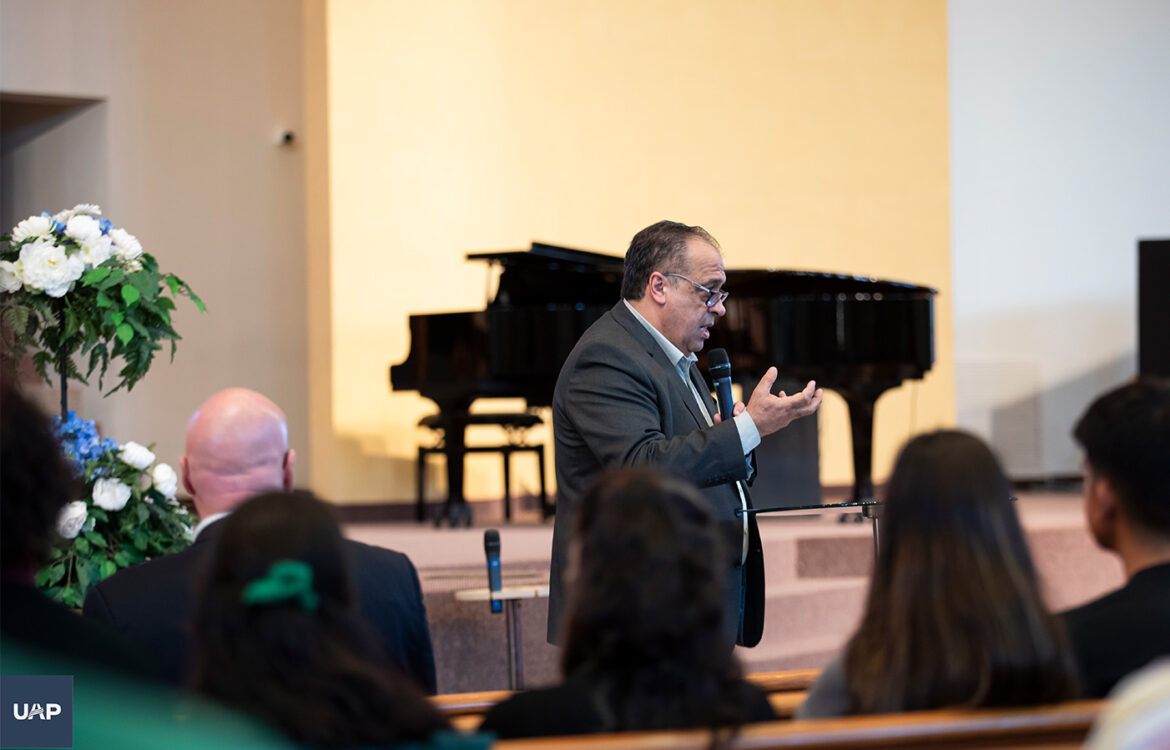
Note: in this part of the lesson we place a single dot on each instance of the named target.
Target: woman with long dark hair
(644, 645)
(954, 616)
(277, 633)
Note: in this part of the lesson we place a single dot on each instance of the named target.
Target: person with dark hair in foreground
(237, 447)
(35, 484)
(954, 616)
(277, 633)
(1125, 435)
(644, 644)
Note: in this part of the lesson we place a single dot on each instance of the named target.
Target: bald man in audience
(1125, 435)
(237, 447)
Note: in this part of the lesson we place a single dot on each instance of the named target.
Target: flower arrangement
(128, 515)
(72, 283)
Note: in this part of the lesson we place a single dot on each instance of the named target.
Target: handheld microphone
(491, 547)
(719, 368)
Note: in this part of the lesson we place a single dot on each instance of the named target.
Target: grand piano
(857, 336)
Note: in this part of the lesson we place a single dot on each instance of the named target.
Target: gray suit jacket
(619, 402)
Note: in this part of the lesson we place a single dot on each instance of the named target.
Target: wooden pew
(465, 710)
(1063, 726)
(786, 690)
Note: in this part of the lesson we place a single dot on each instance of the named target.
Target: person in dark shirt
(644, 644)
(1125, 435)
(277, 633)
(35, 483)
(237, 447)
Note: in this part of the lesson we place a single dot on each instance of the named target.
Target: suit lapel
(703, 390)
(670, 373)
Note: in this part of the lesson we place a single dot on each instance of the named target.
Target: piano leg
(455, 512)
(861, 401)
(861, 425)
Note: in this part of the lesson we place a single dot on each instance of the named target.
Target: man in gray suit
(630, 394)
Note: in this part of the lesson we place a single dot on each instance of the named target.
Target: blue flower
(105, 224)
(80, 440)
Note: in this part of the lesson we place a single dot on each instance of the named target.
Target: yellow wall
(805, 135)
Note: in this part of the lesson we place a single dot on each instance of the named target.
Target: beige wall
(181, 152)
(804, 135)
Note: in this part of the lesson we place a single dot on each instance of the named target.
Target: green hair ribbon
(285, 581)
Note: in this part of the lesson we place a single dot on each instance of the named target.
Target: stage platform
(816, 571)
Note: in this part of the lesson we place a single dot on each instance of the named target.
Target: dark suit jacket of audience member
(569, 709)
(1122, 631)
(151, 604)
(31, 620)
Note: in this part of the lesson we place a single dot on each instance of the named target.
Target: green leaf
(94, 276)
(122, 559)
(103, 300)
(99, 514)
(71, 597)
(71, 323)
(87, 573)
(82, 545)
(113, 280)
(108, 568)
(130, 294)
(125, 333)
(173, 282)
(146, 282)
(116, 318)
(96, 539)
(198, 302)
(16, 316)
(143, 514)
(49, 575)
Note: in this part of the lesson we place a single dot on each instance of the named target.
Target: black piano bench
(516, 426)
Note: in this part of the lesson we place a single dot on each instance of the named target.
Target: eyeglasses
(714, 296)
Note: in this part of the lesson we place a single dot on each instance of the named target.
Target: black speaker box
(1154, 308)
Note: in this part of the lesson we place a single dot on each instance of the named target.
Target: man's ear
(656, 288)
(185, 471)
(1102, 509)
(290, 458)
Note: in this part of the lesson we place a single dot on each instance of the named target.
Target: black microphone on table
(491, 547)
(719, 368)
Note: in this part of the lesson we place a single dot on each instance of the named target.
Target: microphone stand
(871, 509)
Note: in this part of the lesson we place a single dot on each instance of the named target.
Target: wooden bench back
(1059, 726)
(789, 683)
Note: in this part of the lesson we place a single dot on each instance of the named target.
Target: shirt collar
(673, 353)
(207, 522)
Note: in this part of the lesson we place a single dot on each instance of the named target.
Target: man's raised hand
(772, 413)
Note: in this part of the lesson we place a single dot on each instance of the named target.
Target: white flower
(80, 208)
(10, 276)
(46, 267)
(165, 480)
(97, 252)
(110, 494)
(84, 229)
(33, 226)
(138, 456)
(126, 246)
(71, 519)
